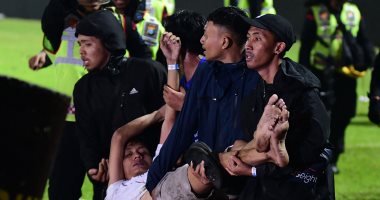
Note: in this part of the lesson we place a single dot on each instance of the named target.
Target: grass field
(359, 165)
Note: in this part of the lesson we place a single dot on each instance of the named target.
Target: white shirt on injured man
(131, 189)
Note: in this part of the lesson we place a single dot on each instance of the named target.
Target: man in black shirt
(115, 91)
(269, 37)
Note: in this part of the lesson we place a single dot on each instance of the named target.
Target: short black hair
(232, 19)
(189, 26)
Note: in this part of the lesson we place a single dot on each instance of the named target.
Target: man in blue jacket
(211, 109)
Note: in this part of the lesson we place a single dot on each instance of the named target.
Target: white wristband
(173, 67)
(253, 171)
(228, 148)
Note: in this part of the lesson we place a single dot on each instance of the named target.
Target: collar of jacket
(227, 73)
(113, 67)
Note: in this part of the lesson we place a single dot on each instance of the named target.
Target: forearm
(170, 113)
(116, 159)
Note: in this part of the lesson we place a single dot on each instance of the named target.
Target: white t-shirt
(131, 189)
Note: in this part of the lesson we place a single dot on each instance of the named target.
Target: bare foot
(278, 152)
(267, 123)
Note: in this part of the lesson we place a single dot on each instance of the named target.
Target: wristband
(253, 171)
(173, 67)
(228, 148)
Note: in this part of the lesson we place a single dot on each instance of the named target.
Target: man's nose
(81, 50)
(138, 156)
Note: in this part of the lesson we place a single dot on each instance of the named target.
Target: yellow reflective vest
(266, 7)
(330, 40)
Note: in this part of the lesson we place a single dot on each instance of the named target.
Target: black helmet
(104, 25)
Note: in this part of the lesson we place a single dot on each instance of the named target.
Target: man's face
(212, 41)
(92, 52)
(137, 160)
(121, 4)
(259, 48)
(90, 5)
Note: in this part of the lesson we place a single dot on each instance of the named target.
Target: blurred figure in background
(60, 50)
(374, 93)
(253, 8)
(142, 13)
(335, 47)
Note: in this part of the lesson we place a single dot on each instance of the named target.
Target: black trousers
(343, 110)
(67, 175)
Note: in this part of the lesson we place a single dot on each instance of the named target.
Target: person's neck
(190, 63)
(232, 55)
(269, 71)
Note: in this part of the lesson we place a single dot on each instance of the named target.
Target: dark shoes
(199, 151)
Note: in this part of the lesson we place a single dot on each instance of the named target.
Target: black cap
(276, 24)
(104, 25)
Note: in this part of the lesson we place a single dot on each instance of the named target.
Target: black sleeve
(87, 133)
(365, 43)
(308, 39)
(134, 42)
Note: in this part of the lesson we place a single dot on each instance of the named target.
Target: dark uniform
(325, 50)
(374, 94)
(107, 98)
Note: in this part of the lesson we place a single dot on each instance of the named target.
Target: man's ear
(280, 47)
(227, 42)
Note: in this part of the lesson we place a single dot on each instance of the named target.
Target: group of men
(254, 119)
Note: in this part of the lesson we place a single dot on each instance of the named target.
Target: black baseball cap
(276, 24)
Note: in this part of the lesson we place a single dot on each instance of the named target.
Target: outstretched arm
(122, 135)
(170, 46)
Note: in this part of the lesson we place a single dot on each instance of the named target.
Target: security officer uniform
(324, 51)
(253, 7)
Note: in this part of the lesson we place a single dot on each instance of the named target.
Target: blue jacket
(211, 113)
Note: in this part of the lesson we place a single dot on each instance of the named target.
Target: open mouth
(249, 56)
(85, 61)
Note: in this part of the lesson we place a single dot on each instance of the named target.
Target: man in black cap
(269, 37)
(115, 91)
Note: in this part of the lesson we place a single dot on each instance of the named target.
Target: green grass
(359, 165)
